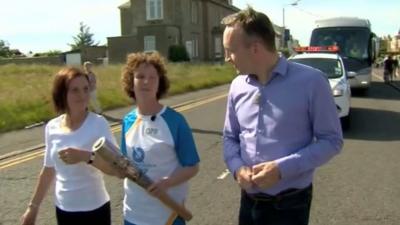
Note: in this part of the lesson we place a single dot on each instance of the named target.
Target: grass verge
(25, 89)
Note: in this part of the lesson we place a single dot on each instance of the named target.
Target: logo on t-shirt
(138, 154)
(151, 131)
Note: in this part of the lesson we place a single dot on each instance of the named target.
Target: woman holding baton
(156, 139)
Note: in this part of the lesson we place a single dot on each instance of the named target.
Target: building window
(154, 9)
(189, 48)
(195, 46)
(192, 47)
(149, 43)
(217, 47)
(195, 11)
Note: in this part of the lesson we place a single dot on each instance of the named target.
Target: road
(360, 186)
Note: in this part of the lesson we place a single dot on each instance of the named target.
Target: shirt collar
(280, 69)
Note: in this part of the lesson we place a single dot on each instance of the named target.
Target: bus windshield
(352, 42)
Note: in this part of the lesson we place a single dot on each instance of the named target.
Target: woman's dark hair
(60, 87)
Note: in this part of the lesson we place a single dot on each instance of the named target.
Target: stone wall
(50, 60)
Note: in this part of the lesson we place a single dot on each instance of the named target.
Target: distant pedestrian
(395, 67)
(87, 66)
(388, 68)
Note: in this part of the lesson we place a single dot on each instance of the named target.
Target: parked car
(331, 64)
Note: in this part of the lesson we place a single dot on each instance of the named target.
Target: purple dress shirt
(291, 120)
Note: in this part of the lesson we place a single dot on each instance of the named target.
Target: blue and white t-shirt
(158, 145)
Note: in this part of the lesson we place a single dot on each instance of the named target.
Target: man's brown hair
(133, 61)
(254, 24)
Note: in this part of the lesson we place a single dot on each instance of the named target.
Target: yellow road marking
(185, 107)
(40, 152)
(21, 160)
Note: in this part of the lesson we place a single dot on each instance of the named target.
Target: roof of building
(125, 5)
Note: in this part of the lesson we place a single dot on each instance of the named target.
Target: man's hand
(244, 177)
(265, 174)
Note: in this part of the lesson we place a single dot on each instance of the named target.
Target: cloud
(50, 24)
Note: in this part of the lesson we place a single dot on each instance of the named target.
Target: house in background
(392, 44)
(94, 54)
(148, 25)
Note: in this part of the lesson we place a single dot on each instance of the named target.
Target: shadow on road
(379, 90)
(200, 131)
(375, 125)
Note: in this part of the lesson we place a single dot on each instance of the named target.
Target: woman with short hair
(158, 140)
(80, 195)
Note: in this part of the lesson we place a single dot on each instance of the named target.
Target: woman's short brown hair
(60, 87)
(133, 61)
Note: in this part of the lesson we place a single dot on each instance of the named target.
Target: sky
(44, 25)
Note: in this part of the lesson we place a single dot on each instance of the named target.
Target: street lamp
(283, 19)
(283, 11)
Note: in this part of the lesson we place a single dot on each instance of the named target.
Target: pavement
(32, 137)
(396, 79)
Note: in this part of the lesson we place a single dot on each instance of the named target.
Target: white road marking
(223, 175)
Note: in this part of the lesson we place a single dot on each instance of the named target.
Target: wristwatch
(90, 161)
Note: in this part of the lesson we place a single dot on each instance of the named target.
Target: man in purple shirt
(281, 123)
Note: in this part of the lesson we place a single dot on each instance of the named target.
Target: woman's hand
(73, 156)
(29, 216)
(158, 187)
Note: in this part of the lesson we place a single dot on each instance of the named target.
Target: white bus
(358, 45)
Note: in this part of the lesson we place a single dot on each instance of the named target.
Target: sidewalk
(16, 142)
(396, 80)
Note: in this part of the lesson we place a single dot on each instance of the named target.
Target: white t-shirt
(79, 187)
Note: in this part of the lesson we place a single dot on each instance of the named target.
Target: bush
(285, 52)
(177, 53)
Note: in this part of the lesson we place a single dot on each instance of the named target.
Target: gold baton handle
(111, 154)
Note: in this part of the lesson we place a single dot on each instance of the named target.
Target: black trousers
(291, 207)
(99, 216)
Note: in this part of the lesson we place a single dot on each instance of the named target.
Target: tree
(48, 53)
(84, 38)
(4, 49)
